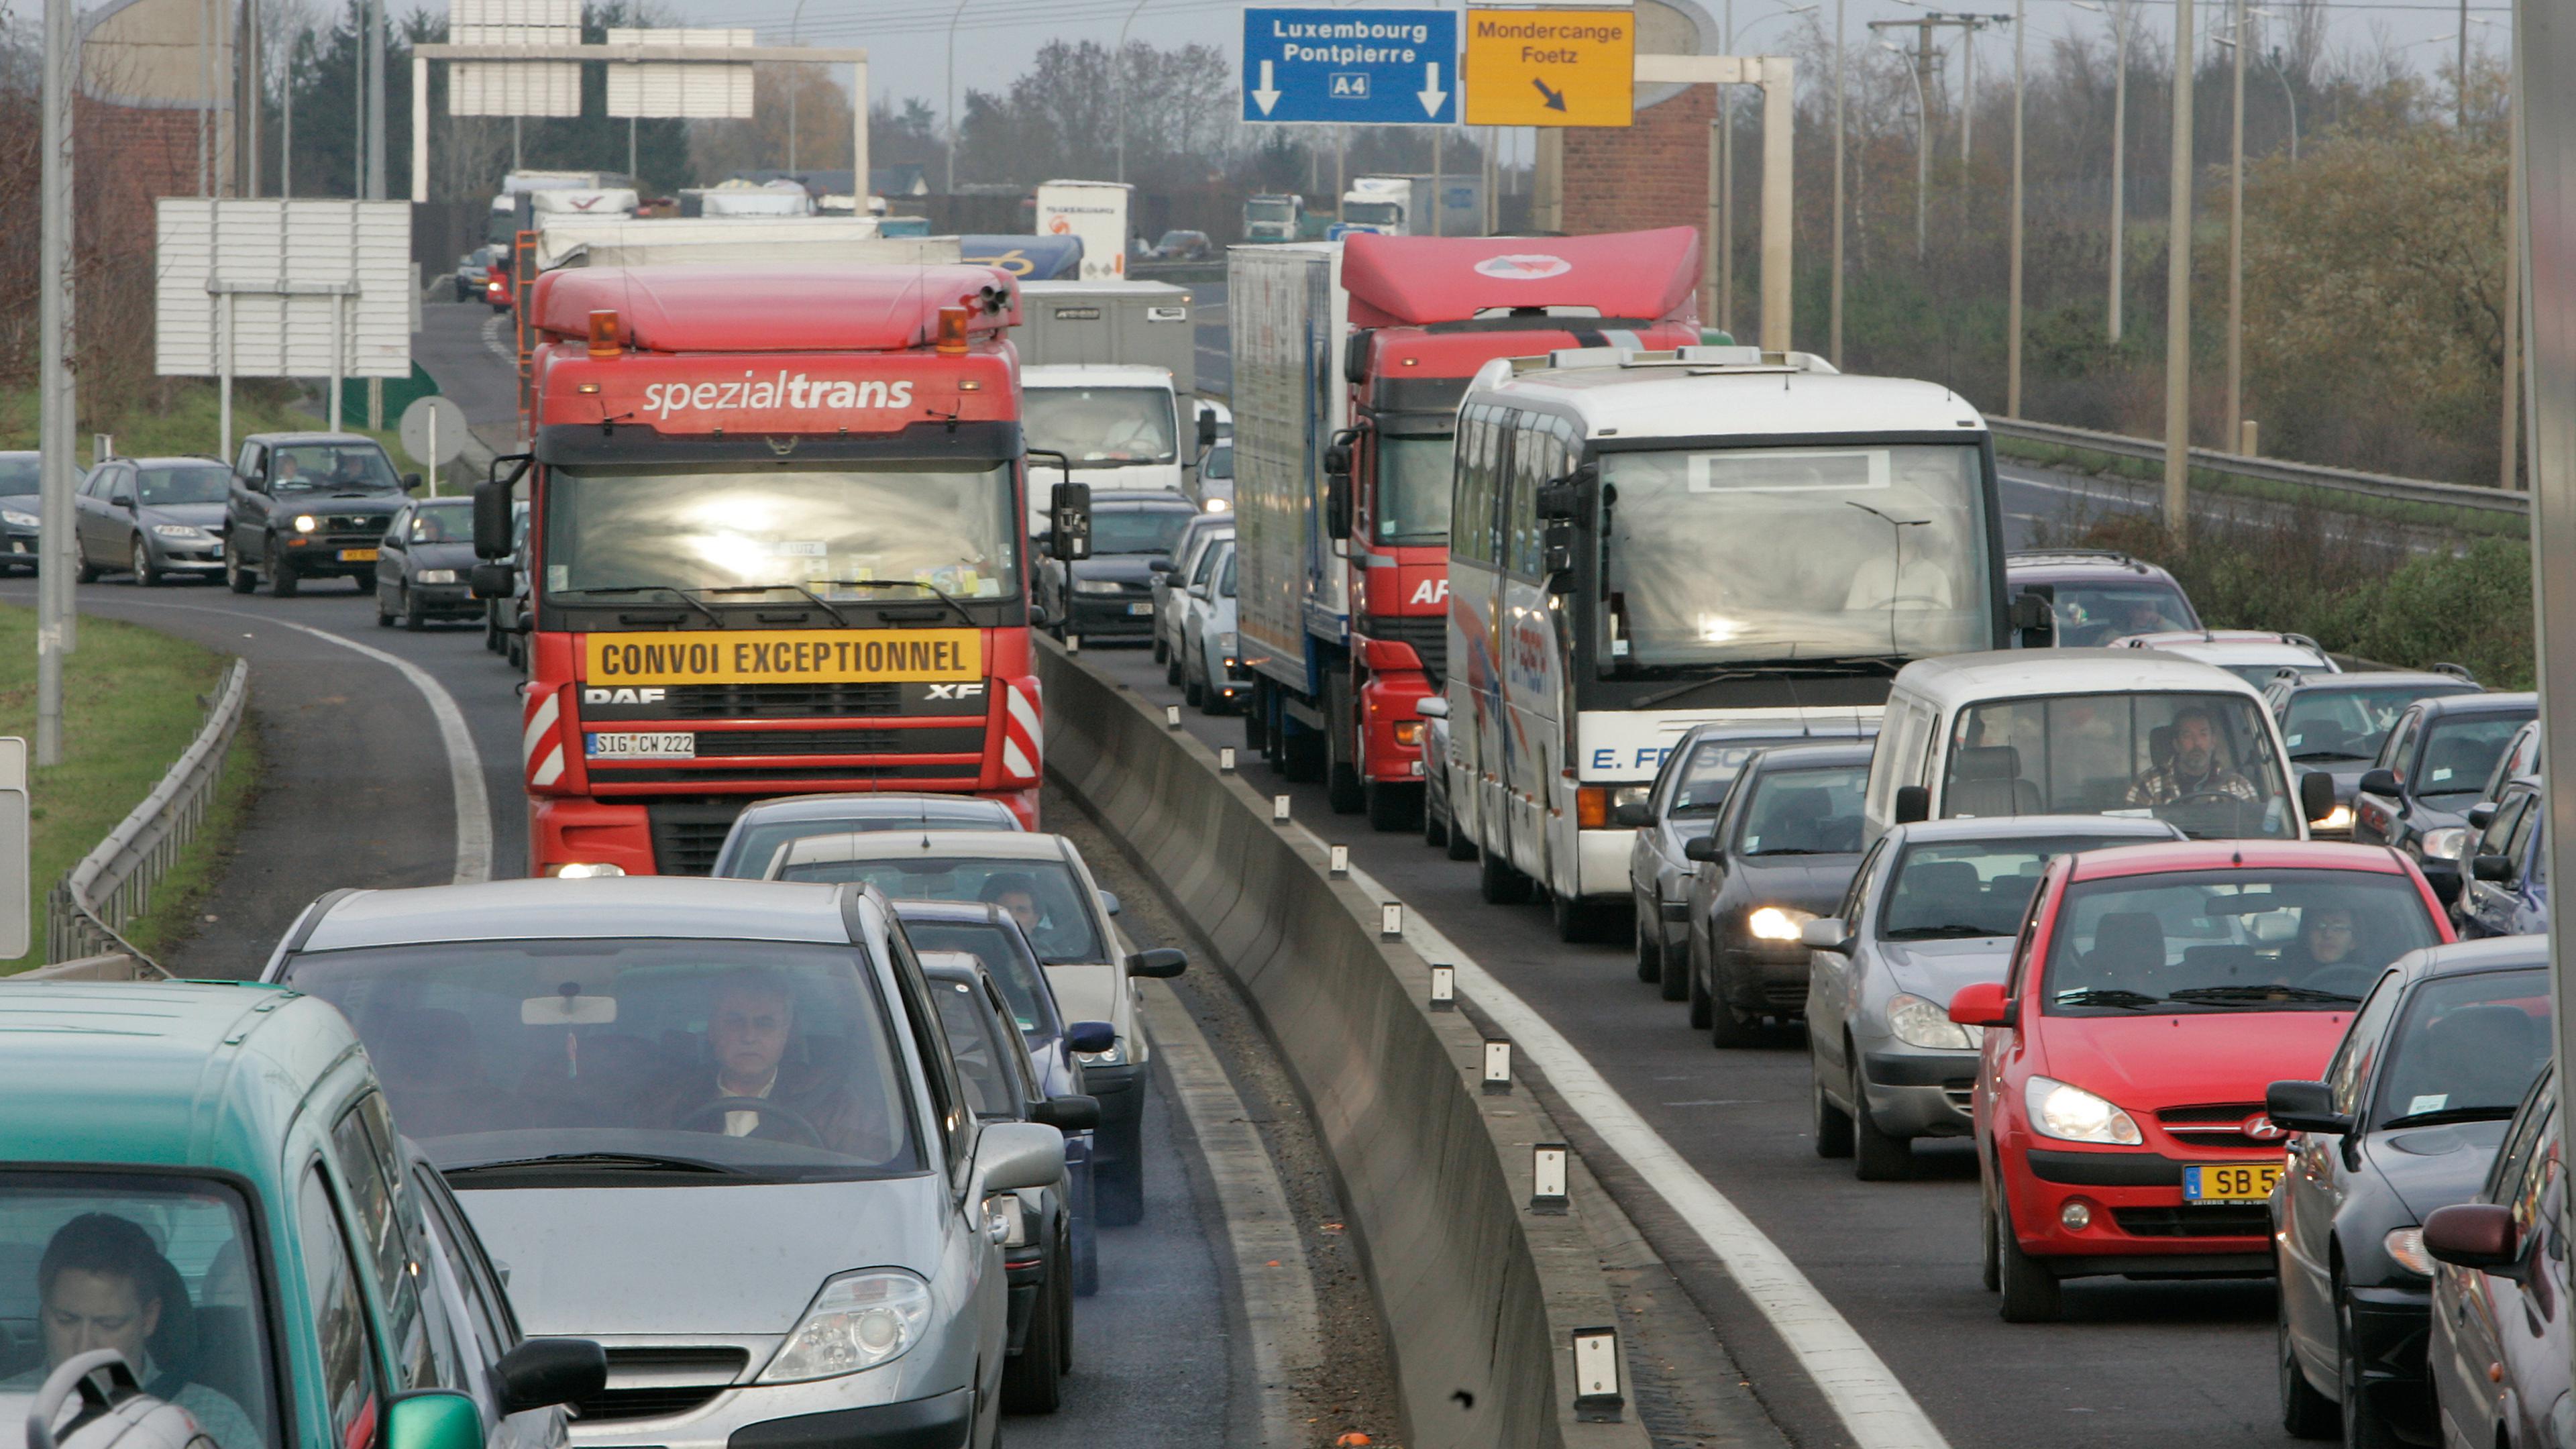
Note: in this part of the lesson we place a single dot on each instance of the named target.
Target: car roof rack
(2456, 671)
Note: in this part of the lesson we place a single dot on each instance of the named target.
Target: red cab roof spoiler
(774, 309)
(1401, 281)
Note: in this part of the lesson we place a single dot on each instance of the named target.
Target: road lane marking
(1864, 1392)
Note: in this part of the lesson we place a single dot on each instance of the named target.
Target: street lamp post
(2012, 321)
(1834, 327)
(2120, 20)
(953, 17)
(795, 83)
(2233, 438)
(2178, 291)
(1726, 178)
(1922, 145)
(1118, 64)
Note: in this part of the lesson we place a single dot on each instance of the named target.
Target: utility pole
(2012, 339)
(2178, 292)
(1118, 68)
(1834, 328)
(54, 395)
(286, 122)
(2234, 439)
(796, 84)
(375, 190)
(2121, 19)
(953, 17)
(1726, 191)
(2510, 474)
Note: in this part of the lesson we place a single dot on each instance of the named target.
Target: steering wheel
(2236, 804)
(761, 1105)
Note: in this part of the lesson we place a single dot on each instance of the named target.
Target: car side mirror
(1160, 961)
(2034, 620)
(1431, 707)
(2382, 783)
(1981, 1004)
(1068, 1113)
(543, 1372)
(1702, 848)
(2304, 1107)
(493, 580)
(2473, 1235)
(435, 1419)
(2482, 814)
(2317, 795)
(2492, 868)
(1011, 1156)
(411, 482)
(1090, 1036)
(1913, 804)
(1109, 902)
(1826, 934)
(124, 501)
(1631, 815)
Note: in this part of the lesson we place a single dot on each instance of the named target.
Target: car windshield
(1219, 463)
(163, 1268)
(443, 523)
(2348, 724)
(1971, 888)
(2469, 1047)
(1042, 894)
(162, 485)
(1138, 530)
(2458, 756)
(605, 1056)
(332, 468)
(1101, 426)
(978, 1048)
(1780, 553)
(841, 533)
(1413, 489)
(2230, 940)
(2202, 761)
(20, 473)
(2092, 614)
(1711, 769)
(1005, 956)
(1813, 811)
(760, 842)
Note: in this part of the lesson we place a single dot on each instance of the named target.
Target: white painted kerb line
(1863, 1391)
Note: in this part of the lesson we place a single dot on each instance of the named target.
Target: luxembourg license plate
(1145, 610)
(357, 555)
(641, 745)
(2229, 1182)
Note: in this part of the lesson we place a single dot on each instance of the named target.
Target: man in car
(1018, 895)
(2195, 768)
(103, 1284)
(751, 1023)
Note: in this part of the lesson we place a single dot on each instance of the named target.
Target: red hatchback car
(2155, 992)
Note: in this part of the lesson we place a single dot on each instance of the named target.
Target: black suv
(2337, 722)
(2098, 595)
(308, 505)
(2433, 766)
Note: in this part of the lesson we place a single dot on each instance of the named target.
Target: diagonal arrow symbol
(1554, 100)
(1431, 95)
(1266, 94)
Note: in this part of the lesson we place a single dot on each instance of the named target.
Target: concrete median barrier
(1479, 1296)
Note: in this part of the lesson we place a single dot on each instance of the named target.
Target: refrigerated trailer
(1349, 360)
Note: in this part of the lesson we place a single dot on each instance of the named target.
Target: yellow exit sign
(1551, 67)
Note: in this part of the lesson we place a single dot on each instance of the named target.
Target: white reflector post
(1337, 858)
(1171, 716)
(1278, 809)
(1498, 1066)
(1596, 1376)
(1547, 1177)
(17, 882)
(1225, 760)
(1390, 920)
(1444, 988)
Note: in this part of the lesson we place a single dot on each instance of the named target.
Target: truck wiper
(680, 594)
(816, 599)
(1843, 666)
(933, 590)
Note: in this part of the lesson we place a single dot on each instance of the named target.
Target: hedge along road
(2135, 1364)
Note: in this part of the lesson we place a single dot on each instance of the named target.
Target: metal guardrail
(2270, 470)
(87, 913)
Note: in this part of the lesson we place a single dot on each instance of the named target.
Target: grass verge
(2468, 522)
(188, 420)
(132, 700)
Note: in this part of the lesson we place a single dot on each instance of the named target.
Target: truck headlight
(438, 576)
(1776, 923)
(1919, 1023)
(858, 1321)
(584, 870)
(1097, 586)
(2071, 1114)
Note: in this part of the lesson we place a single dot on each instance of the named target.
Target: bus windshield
(1413, 489)
(835, 531)
(1773, 554)
(2201, 761)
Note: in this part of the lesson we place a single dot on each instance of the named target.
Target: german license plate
(1145, 610)
(2230, 1182)
(641, 745)
(357, 555)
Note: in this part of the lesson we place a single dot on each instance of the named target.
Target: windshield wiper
(1955, 931)
(2452, 1114)
(816, 599)
(2107, 996)
(2251, 995)
(2325, 755)
(933, 590)
(599, 1161)
(1840, 666)
(680, 594)
(1794, 850)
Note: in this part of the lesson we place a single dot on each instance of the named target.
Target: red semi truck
(777, 544)
(1350, 359)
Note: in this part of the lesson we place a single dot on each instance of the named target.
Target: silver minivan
(713, 1124)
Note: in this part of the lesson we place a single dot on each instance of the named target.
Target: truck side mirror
(1337, 487)
(1069, 522)
(492, 507)
(1355, 357)
(1207, 429)
(2034, 620)
(493, 580)
(1556, 500)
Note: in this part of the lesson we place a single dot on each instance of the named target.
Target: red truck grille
(774, 701)
(744, 744)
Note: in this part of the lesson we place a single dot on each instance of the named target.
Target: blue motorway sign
(1351, 67)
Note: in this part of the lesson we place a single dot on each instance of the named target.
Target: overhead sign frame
(1569, 66)
(1350, 67)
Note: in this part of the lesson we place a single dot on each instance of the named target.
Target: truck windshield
(1101, 427)
(1266, 210)
(2202, 761)
(1372, 213)
(827, 529)
(1793, 553)
(1413, 490)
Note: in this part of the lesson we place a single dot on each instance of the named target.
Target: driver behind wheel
(751, 1029)
(2195, 769)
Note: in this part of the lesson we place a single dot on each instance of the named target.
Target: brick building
(155, 97)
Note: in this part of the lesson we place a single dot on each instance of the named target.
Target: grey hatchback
(716, 1123)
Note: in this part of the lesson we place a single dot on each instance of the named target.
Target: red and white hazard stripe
(1023, 732)
(541, 745)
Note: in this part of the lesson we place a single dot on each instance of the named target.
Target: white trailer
(1095, 211)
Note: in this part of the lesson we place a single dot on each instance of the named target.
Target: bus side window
(1529, 454)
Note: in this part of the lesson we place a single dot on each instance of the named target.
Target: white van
(2085, 732)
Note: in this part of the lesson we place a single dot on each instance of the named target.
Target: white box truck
(1095, 211)
(1109, 373)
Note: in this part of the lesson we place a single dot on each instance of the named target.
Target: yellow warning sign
(757, 656)
(1551, 67)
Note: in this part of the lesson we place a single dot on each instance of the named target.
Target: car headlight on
(858, 1321)
(1917, 1022)
(1097, 586)
(179, 530)
(2071, 1114)
(2337, 819)
(2406, 1245)
(1114, 1057)
(584, 870)
(1217, 505)
(15, 519)
(1768, 923)
(304, 523)
(438, 576)
(2445, 842)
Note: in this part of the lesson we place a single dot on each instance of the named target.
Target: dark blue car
(2505, 891)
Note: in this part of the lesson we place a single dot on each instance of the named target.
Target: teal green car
(205, 1178)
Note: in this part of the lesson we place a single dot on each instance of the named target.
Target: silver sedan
(1934, 907)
